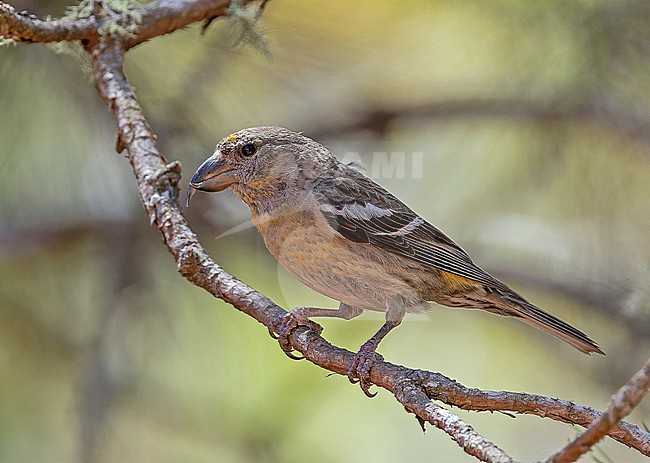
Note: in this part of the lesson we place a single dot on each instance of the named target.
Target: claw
(366, 391)
(282, 330)
(359, 371)
(293, 356)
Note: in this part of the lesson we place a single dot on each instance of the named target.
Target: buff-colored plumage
(343, 235)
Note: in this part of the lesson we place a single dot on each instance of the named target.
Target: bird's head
(262, 162)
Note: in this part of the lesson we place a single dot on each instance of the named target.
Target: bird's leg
(300, 317)
(363, 360)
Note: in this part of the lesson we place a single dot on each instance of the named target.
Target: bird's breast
(296, 238)
(326, 262)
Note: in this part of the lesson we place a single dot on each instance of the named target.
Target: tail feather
(533, 315)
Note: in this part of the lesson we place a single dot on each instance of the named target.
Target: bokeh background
(531, 124)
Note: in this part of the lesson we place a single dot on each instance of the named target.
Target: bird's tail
(533, 315)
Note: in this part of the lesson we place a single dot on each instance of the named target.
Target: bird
(343, 235)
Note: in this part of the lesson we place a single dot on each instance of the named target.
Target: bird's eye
(248, 149)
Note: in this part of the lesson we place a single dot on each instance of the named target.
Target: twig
(162, 17)
(622, 403)
(25, 28)
(416, 401)
(159, 17)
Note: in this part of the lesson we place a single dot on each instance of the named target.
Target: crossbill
(345, 236)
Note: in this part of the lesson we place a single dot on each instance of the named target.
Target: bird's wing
(364, 212)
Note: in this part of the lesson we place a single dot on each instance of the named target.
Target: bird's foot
(359, 371)
(282, 329)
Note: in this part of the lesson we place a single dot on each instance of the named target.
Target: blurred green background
(531, 121)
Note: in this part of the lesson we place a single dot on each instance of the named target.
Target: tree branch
(439, 387)
(25, 28)
(416, 401)
(157, 182)
(162, 17)
(159, 17)
(622, 403)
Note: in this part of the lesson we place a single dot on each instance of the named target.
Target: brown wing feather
(364, 212)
